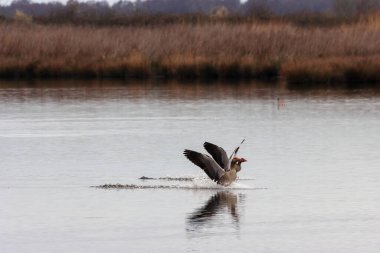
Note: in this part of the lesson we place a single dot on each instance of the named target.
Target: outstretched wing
(219, 155)
(206, 163)
(236, 150)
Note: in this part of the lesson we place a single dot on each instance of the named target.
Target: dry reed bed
(324, 55)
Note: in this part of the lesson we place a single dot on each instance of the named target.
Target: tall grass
(345, 53)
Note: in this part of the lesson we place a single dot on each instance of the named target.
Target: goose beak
(242, 160)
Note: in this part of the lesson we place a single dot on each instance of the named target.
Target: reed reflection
(59, 90)
(213, 212)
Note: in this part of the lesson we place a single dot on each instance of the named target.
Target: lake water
(311, 183)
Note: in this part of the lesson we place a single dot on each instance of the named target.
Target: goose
(219, 168)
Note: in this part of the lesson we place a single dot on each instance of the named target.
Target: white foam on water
(238, 185)
(185, 178)
(182, 183)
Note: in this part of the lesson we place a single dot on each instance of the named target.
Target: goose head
(236, 163)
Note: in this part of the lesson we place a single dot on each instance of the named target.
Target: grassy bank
(318, 54)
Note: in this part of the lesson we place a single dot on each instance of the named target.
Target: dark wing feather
(236, 150)
(219, 155)
(206, 163)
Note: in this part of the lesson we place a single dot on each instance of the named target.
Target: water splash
(246, 179)
(185, 187)
(184, 178)
(168, 178)
(195, 184)
(179, 182)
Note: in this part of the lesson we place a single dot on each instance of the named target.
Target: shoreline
(300, 77)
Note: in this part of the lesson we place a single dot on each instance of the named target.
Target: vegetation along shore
(194, 47)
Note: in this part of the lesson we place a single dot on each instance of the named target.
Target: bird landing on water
(219, 168)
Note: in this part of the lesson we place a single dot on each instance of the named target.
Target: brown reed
(345, 53)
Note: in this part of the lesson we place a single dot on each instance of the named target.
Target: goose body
(219, 167)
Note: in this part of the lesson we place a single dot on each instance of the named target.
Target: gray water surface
(311, 183)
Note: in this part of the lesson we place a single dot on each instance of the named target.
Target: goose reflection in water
(219, 204)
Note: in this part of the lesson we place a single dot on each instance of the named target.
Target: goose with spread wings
(220, 168)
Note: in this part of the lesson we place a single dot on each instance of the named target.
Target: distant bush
(153, 12)
(22, 17)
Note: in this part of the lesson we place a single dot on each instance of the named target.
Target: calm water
(311, 183)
